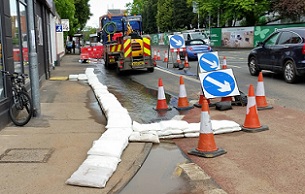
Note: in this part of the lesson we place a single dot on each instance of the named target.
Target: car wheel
(253, 68)
(290, 72)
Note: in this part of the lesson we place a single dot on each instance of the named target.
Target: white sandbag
(147, 136)
(173, 124)
(119, 121)
(82, 77)
(116, 134)
(108, 148)
(163, 133)
(193, 127)
(219, 124)
(118, 110)
(171, 136)
(174, 131)
(102, 161)
(73, 77)
(227, 130)
(89, 70)
(90, 176)
(145, 127)
(193, 134)
(100, 91)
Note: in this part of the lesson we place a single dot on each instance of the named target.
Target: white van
(196, 35)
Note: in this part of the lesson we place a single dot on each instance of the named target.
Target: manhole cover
(26, 155)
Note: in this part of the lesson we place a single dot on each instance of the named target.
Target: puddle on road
(160, 174)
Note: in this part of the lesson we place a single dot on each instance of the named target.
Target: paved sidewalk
(41, 156)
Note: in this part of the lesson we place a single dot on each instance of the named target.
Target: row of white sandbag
(105, 153)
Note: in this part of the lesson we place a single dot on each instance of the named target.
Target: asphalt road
(276, 89)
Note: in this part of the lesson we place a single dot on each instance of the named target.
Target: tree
(165, 15)
(182, 15)
(77, 11)
(291, 9)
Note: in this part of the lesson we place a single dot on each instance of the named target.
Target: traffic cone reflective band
(158, 56)
(224, 64)
(201, 97)
(252, 123)
(161, 104)
(165, 56)
(260, 97)
(155, 55)
(206, 144)
(183, 103)
(186, 61)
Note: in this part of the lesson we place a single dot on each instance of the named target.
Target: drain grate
(26, 155)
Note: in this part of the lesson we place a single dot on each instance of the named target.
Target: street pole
(198, 20)
(34, 75)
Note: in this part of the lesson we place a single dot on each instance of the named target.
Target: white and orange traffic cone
(206, 144)
(186, 61)
(252, 123)
(158, 56)
(155, 54)
(183, 103)
(260, 97)
(165, 56)
(178, 58)
(201, 97)
(224, 63)
(161, 104)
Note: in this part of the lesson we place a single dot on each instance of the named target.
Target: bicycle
(21, 107)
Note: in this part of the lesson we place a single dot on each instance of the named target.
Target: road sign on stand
(208, 61)
(176, 41)
(219, 83)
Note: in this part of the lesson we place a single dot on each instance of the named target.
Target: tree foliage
(77, 11)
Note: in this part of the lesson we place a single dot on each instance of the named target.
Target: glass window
(19, 35)
(295, 39)
(1, 65)
(285, 38)
(271, 41)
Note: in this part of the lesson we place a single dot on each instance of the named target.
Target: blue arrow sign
(219, 83)
(176, 41)
(209, 62)
(58, 28)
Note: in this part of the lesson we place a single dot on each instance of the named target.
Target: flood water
(160, 172)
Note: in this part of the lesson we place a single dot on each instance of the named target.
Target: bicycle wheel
(21, 109)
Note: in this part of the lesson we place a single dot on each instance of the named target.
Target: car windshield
(195, 42)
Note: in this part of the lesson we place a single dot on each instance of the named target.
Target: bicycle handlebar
(15, 74)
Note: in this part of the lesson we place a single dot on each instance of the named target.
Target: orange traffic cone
(161, 104)
(158, 56)
(155, 54)
(206, 145)
(165, 56)
(224, 64)
(260, 98)
(252, 123)
(183, 103)
(201, 97)
(178, 58)
(186, 61)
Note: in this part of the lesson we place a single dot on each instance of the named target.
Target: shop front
(14, 44)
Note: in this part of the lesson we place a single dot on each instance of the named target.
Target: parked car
(282, 52)
(192, 35)
(193, 47)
